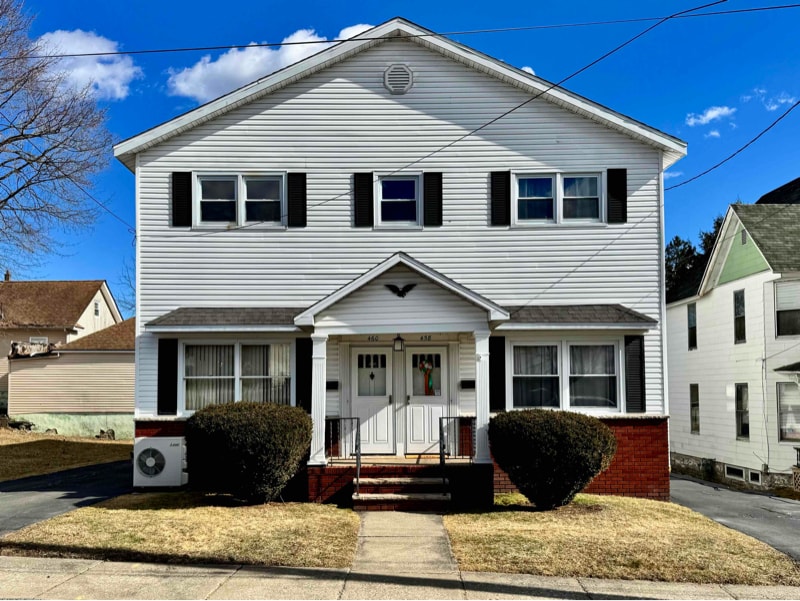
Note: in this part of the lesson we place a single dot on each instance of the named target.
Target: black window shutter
(302, 369)
(432, 199)
(617, 184)
(296, 200)
(167, 394)
(501, 198)
(634, 374)
(363, 214)
(182, 199)
(497, 373)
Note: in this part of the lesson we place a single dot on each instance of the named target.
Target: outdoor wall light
(399, 344)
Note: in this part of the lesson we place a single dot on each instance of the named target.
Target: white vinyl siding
(301, 128)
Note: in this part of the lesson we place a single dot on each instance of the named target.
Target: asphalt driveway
(31, 500)
(773, 520)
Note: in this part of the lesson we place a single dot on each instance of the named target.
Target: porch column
(482, 397)
(319, 357)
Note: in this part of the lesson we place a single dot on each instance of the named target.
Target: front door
(372, 398)
(426, 385)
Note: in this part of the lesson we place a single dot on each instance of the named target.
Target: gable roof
(788, 193)
(776, 231)
(42, 304)
(673, 147)
(119, 337)
(495, 312)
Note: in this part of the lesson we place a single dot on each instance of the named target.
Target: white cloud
(109, 76)
(529, 70)
(208, 79)
(672, 174)
(714, 133)
(713, 113)
(775, 102)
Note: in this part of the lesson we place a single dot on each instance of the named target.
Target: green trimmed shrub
(249, 450)
(550, 456)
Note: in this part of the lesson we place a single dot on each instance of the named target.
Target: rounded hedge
(249, 450)
(550, 456)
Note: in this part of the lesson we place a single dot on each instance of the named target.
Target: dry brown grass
(25, 454)
(192, 527)
(614, 537)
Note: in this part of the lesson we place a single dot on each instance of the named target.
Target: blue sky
(713, 81)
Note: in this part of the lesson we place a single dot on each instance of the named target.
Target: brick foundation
(159, 428)
(639, 469)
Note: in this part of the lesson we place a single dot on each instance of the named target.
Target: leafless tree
(53, 140)
(126, 287)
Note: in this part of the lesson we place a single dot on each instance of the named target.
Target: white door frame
(378, 410)
(429, 413)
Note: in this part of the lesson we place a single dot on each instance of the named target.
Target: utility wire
(730, 156)
(420, 35)
(494, 120)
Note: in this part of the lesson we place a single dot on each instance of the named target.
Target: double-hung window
(789, 411)
(694, 408)
(535, 376)
(214, 374)
(739, 325)
(557, 198)
(787, 308)
(399, 200)
(238, 199)
(691, 318)
(565, 374)
(742, 412)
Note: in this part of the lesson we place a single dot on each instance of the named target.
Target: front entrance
(372, 398)
(426, 386)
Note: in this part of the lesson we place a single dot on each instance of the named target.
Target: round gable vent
(398, 79)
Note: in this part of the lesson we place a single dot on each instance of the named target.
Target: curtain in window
(266, 373)
(535, 360)
(789, 404)
(536, 382)
(592, 381)
(209, 375)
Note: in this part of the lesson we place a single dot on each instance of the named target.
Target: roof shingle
(119, 337)
(227, 316)
(774, 228)
(578, 314)
(57, 304)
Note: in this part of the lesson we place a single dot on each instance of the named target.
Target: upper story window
(739, 326)
(787, 308)
(97, 308)
(557, 198)
(240, 199)
(691, 318)
(398, 200)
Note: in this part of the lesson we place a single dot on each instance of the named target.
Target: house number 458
(425, 338)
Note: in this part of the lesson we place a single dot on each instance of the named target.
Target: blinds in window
(787, 296)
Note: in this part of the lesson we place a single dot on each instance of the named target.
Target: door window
(372, 374)
(426, 375)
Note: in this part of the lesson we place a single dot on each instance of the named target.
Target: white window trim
(563, 344)
(793, 443)
(558, 199)
(241, 199)
(237, 365)
(776, 285)
(377, 197)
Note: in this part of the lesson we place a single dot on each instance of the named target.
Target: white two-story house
(355, 235)
(734, 353)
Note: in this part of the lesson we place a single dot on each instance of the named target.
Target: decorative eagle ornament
(401, 292)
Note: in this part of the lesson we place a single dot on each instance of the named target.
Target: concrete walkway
(400, 556)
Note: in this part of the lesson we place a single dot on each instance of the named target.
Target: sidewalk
(399, 556)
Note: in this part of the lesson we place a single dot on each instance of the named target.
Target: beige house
(81, 387)
(51, 313)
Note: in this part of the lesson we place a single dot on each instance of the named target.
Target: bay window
(214, 374)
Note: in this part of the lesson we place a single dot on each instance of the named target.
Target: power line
(420, 35)
(494, 120)
(741, 149)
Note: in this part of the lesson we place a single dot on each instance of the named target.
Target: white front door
(372, 398)
(426, 385)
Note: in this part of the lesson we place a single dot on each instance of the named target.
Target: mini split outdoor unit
(159, 461)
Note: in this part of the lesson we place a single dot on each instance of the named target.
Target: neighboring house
(320, 238)
(50, 313)
(734, 348)
(788, 193)
(80, 388)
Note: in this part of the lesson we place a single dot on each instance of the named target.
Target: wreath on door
(426, 368)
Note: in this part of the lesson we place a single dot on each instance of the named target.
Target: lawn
(613, 537)
(25, 454)
(180, 527)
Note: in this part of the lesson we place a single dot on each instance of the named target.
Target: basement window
(734, 472)
(755, 477)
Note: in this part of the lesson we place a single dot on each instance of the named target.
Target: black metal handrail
(343, 441)
(456, 439)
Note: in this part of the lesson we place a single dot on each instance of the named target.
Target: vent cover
(398, 79)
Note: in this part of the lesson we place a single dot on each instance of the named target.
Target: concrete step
(405, 484)
(401, 501)
(392, 481)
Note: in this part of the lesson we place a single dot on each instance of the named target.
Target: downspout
(764, 368)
